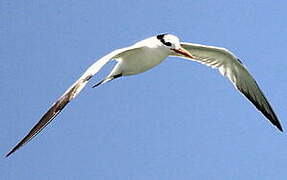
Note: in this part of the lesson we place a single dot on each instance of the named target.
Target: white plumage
(150, 52)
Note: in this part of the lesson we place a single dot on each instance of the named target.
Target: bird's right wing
(229, 66)
(69, 94)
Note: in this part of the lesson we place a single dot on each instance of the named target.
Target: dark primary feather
(54, 110)
(251, 90)
(69, 94)
(232, 68)
(267, 112)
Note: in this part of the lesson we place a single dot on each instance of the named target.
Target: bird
(148, 53)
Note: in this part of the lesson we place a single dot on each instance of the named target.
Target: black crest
(161, 38)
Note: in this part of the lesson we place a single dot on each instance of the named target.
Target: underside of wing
(232, 68)
(54, 110)
(70, 94)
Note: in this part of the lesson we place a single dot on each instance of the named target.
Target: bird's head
(172, 43)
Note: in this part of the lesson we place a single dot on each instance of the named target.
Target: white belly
(140, 61)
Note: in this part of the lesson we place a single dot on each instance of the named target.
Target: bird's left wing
(231, 67)
(69, 94)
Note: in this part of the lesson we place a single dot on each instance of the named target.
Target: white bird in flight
(150, 52)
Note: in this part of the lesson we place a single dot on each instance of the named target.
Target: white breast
(141, 60)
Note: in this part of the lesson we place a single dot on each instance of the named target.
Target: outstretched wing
(232, 68)
(69, 94)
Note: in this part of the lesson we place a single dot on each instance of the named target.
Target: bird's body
(144, 55)
(139, 60)
(150, 52)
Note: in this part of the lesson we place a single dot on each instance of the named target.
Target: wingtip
(13, 150)
(279, 127)
(275, 121)
(9, 153)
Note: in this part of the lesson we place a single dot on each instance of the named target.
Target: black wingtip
(7, 155)
(272, 117)
(278, 125)
(267, 110)
(54, 110)
(10, 152)
(18, 145)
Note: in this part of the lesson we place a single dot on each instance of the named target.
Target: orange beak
(183, 52)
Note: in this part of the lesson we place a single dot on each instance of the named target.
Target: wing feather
(69, 94)
(232, 68)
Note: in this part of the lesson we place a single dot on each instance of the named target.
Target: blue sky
(180, 120)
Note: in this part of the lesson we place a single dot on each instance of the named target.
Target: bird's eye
(161, 38)
(167, 43)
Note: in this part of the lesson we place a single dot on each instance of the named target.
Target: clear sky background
(180, 120)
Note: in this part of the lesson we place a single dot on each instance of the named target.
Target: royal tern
(150, 52)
